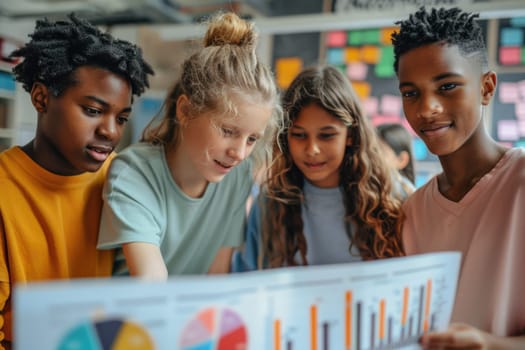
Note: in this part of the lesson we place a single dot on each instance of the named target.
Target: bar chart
(382, 312)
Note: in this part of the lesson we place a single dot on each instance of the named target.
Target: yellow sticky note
(370, 54)
(362, 89)
(386, 35)
(286, 69)
(352, 55)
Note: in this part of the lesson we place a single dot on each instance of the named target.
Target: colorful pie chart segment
(111, 334)
(214, 329)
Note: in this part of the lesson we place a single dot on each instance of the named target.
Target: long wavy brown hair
(371, 207)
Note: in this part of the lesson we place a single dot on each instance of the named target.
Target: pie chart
(214, 329)
(108, 334)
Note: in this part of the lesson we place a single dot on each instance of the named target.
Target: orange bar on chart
(405, 306)
(313, 327)
(277, 335)
(382, 307)
(427, 305)
(348, 321)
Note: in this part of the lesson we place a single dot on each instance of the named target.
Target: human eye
(252, 140)
(123, 119)
(448, 86)
(90, 111)
(227, 131)
(327, 135)
(408, 93)
(298, 135)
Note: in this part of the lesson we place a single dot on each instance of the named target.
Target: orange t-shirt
(48, 227)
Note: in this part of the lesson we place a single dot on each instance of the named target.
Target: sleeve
(131, 210)
(245, 259)
(5, 287)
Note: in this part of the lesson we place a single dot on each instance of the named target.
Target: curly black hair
(452, 26)
(57, 49)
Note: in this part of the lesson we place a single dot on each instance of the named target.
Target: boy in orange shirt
(81, 83)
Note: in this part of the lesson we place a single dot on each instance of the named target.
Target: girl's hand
(457, 336)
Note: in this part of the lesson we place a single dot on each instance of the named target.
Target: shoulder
(419, 196)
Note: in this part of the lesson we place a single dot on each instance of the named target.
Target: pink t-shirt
(488, 227)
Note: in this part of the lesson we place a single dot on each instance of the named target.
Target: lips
(435, 130)
(315, 165)
(224, 165)
(99, 152)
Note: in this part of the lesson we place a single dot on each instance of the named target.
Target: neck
(184, 174)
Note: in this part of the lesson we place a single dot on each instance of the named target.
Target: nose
(108, 128)
(238, 151)
(429, 106)
(312, 148)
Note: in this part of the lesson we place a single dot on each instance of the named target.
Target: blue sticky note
(420, 149)
(517, 21)
(511, 37)
(335, 56)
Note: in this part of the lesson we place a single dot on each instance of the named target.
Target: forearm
(145, 260)
(506, 343)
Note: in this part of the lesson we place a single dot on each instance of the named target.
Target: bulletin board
(508, 110)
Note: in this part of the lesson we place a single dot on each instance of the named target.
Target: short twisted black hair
(56, 49)
(452, 26)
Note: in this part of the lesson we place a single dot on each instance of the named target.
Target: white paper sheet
(381, 304)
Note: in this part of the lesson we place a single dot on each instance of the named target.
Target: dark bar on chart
(289, 345)
(420, 311)
(433, 322)
(389, 337)
(325, 336)
(372, 330)
(358, 328)
(410, 326)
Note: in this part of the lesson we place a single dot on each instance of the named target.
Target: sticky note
(335, 56)
(521, 128)
(384, 70)
(371, 105)
(355, 37)
(508, 92)
(370, 54)
(336, 39)
(386, 35)
(362, 89)
(509, 55)
(519, 109)
(511, 37)
(371, 36)
(517, 21)
(379, 119)
(357, 71)
(286, 69)
(507, 130)
(352, 54)
(391, 105)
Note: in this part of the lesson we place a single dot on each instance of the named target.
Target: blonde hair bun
(230, 29)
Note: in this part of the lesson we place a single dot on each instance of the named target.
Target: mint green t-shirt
(142, 203)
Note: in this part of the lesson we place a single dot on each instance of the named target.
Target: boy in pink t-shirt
(475, 205)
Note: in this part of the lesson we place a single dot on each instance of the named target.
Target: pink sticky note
(357, 71)
(336, 39)
(508, 130)
(508, 93)
(510, 55)
(521, 88)
(521, 128)
(370, 105)
(379, 119)
(519, 109)
(391, 105)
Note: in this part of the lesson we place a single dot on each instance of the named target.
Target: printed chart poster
(385, 304)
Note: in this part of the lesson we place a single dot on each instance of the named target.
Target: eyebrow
(324, 128)
(104, 103)
(434, 79)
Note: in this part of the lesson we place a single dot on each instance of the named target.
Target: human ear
(39, 97)
(488, 87)
(403, 158)
(183, 109)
